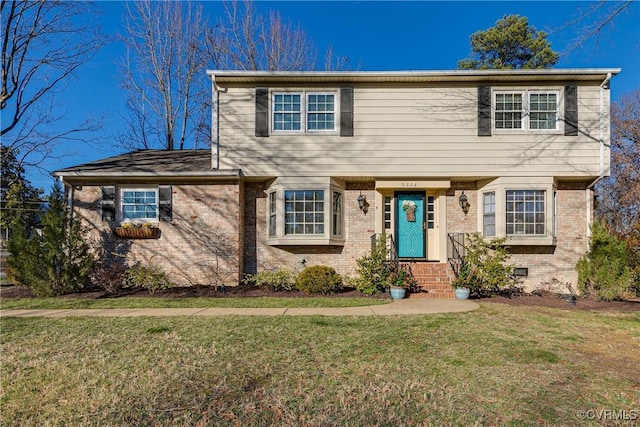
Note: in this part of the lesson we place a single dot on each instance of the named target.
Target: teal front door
(410, 225)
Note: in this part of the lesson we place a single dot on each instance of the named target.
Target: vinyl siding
(411, 131)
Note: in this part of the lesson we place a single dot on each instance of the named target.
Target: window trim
(122, 219)
(486, 214)
(329, 187)
(526, 93)
(304, 112)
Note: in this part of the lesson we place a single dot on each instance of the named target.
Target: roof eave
(238, 76)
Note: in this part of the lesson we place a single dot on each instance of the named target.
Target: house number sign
(409, 184)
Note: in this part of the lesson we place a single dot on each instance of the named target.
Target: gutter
(603, 86)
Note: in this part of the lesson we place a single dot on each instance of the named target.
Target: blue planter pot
(397, 293)
(462, 293)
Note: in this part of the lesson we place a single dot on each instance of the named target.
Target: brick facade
(546, 263)
(201, 245)
(218, 234)
(260, 256)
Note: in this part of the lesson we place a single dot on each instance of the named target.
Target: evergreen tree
(58, 260)
(17, 196)
(604, 270)
(511, 44)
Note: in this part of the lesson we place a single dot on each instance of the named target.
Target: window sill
(305, 241)
(528, 132)
(521, 240)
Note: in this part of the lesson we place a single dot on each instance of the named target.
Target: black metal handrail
(455, 251)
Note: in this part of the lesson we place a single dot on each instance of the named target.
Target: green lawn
(514, 366)
(62, 303)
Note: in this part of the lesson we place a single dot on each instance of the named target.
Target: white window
(489, 213)
(287, 112)
(304, 212)
(508, 111)
(525, 212)
(526, 110)
(272, 214)
(543, 110)
(317, 108)
(139, 204)
(321, 111)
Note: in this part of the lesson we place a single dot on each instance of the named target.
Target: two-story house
(305, 167)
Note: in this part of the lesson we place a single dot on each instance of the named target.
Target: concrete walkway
(399, 307)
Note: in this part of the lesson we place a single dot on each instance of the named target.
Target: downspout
(603, 86)
(215, 131)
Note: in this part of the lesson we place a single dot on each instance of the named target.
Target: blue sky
(375, 35)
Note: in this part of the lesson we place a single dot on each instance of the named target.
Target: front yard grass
(500, 365)
(62, 303)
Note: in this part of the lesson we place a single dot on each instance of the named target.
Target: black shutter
(108, 203)
(262, 111)
(484, 111)
(346, 111)
(164, 203)
(571, 110)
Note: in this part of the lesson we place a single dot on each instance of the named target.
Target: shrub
(319, 279)
(150, 277)
(278, 280)
(485, 265)
(108, 276)
(603, 271)
(108, 271)
(373, 269)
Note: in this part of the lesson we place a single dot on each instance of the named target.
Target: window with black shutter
(108, 203)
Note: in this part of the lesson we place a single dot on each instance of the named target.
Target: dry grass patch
(504, 365)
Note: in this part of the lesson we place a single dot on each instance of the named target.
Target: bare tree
(247, 40)
(163, 73)
(43, 45)
(590, 24)
(619, 195)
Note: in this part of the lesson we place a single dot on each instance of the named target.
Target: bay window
(521, 209)
(299, 214)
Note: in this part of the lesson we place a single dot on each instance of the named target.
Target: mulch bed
(542, 299)
(549, 299)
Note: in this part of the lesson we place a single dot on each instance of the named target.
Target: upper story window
(287, 111)
(526, 110)
(304, 111)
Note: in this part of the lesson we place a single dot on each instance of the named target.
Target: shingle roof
(150, 163)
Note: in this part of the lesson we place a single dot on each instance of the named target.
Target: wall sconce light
(363, 204)
(464, 202)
